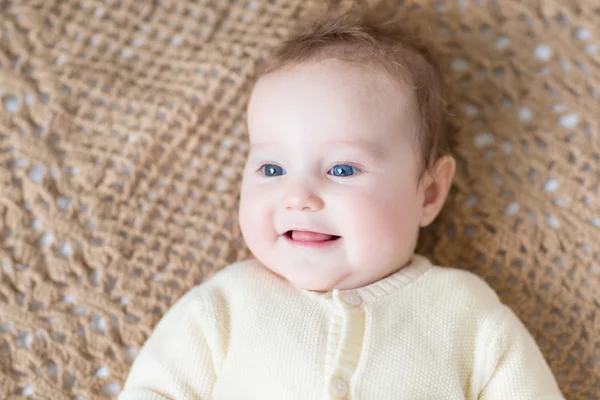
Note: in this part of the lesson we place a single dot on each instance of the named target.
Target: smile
(310, 239)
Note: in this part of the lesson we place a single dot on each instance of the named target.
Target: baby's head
(350, 153)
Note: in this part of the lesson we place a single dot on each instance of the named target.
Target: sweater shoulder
(242, 275)
(232, 282)
(461, 286)
(243, 268)
(462, 304)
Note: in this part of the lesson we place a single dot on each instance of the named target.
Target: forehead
(328, 99)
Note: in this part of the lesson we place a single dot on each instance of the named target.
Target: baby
(350, 155)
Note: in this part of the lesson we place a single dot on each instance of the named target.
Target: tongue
(306, 236)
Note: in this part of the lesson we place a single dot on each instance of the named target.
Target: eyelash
(358, 170)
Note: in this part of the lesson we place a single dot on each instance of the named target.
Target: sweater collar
(415, 268)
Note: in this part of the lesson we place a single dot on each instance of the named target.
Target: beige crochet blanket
(122, 139)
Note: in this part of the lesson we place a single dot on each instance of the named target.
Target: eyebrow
(370, 148)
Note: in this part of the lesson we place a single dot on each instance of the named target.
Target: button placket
(345, 341)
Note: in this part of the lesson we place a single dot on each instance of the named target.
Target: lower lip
(315, 244)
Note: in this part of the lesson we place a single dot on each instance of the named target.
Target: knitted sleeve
(520, 371)
(176, 360)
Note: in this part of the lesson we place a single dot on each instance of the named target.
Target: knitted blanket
(123, 138)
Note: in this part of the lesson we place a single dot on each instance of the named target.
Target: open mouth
(310, 237)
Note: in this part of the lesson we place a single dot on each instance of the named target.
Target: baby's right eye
(272, 170)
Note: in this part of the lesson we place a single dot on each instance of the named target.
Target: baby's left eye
(343, 170)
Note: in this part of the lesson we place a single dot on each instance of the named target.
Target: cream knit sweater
(425, 332)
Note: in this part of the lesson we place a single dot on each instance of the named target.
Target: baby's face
(329, 195)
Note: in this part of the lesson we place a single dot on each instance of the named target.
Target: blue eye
(272, 170)
(343, 170)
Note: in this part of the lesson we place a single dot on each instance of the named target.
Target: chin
(315, 283)
(314, 288)
(305, 282)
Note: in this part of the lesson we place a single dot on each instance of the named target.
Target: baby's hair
(371, 35)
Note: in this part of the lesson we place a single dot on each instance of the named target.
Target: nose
(301, 198)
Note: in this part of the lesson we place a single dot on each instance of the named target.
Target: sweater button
(339, 387)
(352, 299)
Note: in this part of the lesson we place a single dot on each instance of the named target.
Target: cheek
(247, 217)
(254, 215)
(381, 216)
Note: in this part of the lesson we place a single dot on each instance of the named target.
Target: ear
(436, 186)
